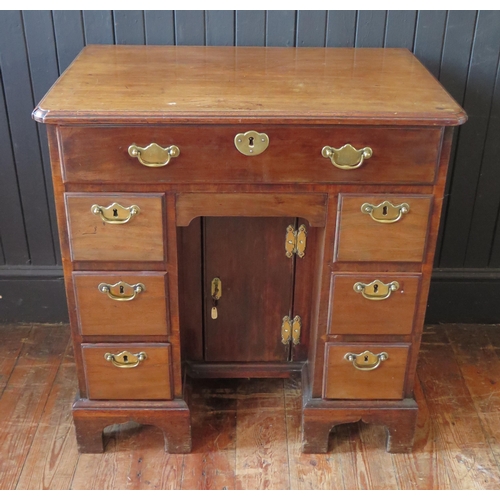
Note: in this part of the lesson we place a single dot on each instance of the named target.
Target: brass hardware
(251, 143)
(125, 359)
(366, 361)
(376, 290)
(115, 213)
(154, 155)
(347, 157)
(216, 293)
(386, 212)
(291, 329)
(123, 290)
(296, 241)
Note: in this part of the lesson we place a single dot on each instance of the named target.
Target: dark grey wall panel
(98, 27)
(280, 28)
(219, 26)
(461, 48)
(159, 26)
(341, 28)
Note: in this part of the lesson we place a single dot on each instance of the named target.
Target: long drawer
(207, 154)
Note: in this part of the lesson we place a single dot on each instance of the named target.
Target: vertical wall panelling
(400, 29)
(19, 102)
(371, 28)
(219, 27)
(190, 27)
(42, 59)
(468, 158)
(280, 28)
(129, 27)
(14, 243)
(341, 28)
(98, 27)
(311, 28)
(251, 27)
(68, 27)
(159, 26)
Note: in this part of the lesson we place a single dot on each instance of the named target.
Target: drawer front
(128, 371)
(389, 228)
(100, 230)
(375, 310)
(134, 304)
(364, 371)
(208, 154)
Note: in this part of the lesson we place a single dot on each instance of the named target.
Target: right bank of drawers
(379, 229)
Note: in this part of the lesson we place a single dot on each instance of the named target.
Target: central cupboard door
(248, 256)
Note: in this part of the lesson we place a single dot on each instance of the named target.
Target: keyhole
(384, 210)
(366, 359)
(125, 358)
(375, 288)
(115, 212)
(250, 142)
(121, 288)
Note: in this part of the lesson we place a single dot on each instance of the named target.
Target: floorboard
(246, 433)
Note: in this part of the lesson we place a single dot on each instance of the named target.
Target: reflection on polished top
(147, 84)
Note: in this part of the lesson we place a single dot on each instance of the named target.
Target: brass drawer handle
(386, 212)
(376, 290)
(115, 213)
(347, 157)
(122, 288)
(154, 155)
(366, 361)
(125, 359)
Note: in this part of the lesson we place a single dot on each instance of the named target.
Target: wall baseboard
(36, 294)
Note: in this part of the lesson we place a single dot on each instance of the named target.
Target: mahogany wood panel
(351, 313)
(343, 381)
(248, 255)
(92, 239)
(208, 154)
(150, 379)
(360, 238)
(310, 206)
(100, 315)
(224, 83)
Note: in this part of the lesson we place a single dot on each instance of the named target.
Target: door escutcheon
(251, 143)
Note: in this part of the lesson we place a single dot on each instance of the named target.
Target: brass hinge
(290, 329)
(295, 242)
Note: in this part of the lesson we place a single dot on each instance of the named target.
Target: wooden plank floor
(246, 433)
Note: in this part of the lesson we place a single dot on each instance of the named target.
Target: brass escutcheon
(376, 290)
(251, 143)
(121, 291)
(386, 212)
(347, 157)
(115, 213)
(366, 361)
(125, 359)
(154, 155)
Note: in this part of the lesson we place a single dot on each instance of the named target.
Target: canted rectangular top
(176, 84)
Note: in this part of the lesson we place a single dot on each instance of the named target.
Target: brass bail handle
(154, 155)
(347, 157)
(376, 290)
(386, 212)
(366, 361)
(125, 359)
(121, 286)
(115, 213)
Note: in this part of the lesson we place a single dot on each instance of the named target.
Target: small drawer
(116, 227)
(207, 154)
(364, 371)
(389, 228)
(121, 303)
(373, 304)
(128, 371)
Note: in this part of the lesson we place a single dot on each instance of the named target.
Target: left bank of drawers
(113, 304)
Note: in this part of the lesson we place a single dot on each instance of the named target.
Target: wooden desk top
(151, 84)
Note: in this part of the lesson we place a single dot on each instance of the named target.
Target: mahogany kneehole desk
(247, 212)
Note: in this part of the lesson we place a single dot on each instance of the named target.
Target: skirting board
(456, 296)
